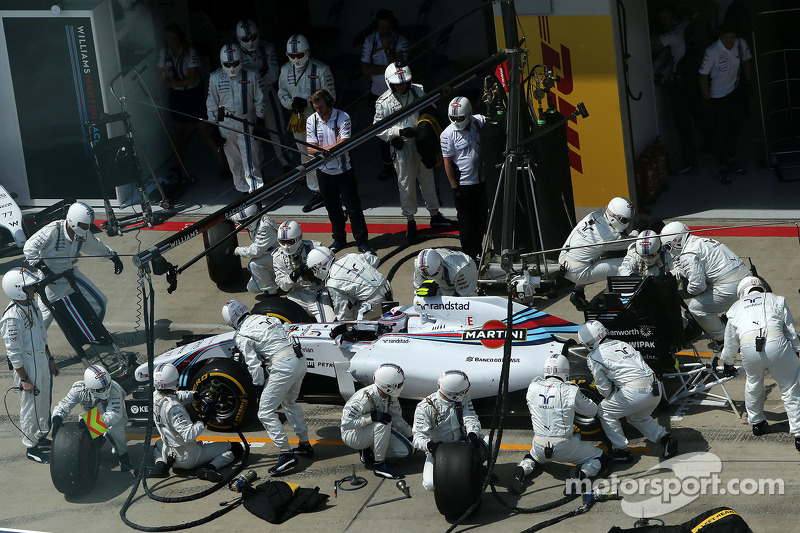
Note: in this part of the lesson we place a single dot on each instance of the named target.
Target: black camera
(548, 451)
(760, 343)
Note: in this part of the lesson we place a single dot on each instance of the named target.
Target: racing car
(430, 336)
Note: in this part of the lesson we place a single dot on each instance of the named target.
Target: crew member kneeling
(446, 415)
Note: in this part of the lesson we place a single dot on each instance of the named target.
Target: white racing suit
(584, 265)
(407, 162)
(388, 441)
(264, 237)
(244, 98)
(626, 383)
(356, 287)
(765, 315)
(178, 435)
(25, 337)
(272, 362)
(310, 294)
(634, 265)
(52, 245)
(553, 404)
(264, 61)
(440, 420)
(712, 272)
(459, 276)
(302, 83)
(112, 410)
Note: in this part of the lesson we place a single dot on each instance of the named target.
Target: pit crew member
(263, 243)
(454, 272)
(644, 257)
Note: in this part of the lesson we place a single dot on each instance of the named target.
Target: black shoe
(304, 449)
(411, 231)
(209, 473)
(385, 470)
(37, 455)
(286, 461)
(724, 177)
(44, 443)
(365, 248)
(518, 481)
(159, 470)
(760, 428)
(439, 221)
(125, 462)
(578, 299)
(315, 202)
(337, 245)
(621, 456)
(367, 458)
(670, 445)
(797, 443)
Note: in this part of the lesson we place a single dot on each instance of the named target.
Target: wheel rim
(226, 398)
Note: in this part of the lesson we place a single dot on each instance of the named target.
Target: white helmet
(397, 74)
(591, 333)
(319, 261)
(98, 382)
(290, 236)
(459, 112)
(748, 284)
(390, 379)
(647, 246)
(557, 366)
(165, 377)
(15, 281)
(233, 312)
(453, 385)
(247, 34)
(230, 56)
(429, 264)
(298, 51)
(393, 322)
(619, 213)
(80, 217)
(673, 237)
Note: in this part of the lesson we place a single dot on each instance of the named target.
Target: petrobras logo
(493, 334)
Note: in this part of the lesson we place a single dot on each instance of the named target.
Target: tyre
(457, 478)
(284, 310)
(74, 460)
(586, 426)
(234, 393)
(223, 269)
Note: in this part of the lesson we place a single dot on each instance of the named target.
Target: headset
(328, 98)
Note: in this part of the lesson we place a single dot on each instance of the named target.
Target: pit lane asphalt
(29, 501)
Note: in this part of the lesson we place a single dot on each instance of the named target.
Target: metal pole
(514, 68)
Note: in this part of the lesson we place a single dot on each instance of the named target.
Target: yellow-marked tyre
(284, 310)
(588, 427)
(235, 396)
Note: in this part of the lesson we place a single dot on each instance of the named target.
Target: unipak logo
(493, 334)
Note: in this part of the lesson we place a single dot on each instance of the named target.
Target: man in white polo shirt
(723, 64)
(326, 128)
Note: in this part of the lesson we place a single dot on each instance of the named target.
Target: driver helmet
(619, 213)
(453, 385)
(165, 377)
(394, 322)
(591, 333)
(247, 35)
(397, 74)
(648, 246)
(748, 285)
(98, 382)
(80, 217)
(459, 112)
(429, 264)
(15, 281)
(233, 312)
(557, 366)
(298, 51)
(674, 236)
(390, 379)
(230, 57)
(290, 237)
(319, 261)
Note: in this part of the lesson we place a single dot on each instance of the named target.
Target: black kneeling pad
(278, 501)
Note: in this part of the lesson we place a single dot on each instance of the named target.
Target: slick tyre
(74, 460)
(456, 478)
(284, 310)
(586, 426)
(235, 396)
(223, 269)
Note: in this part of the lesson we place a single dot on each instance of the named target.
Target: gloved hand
(380, 416)
(117, 264)
(633, 233)
(238, 251)
(428, 288)
(472, 437)
(729, 371)
(432, 446)
(43, 267)
(407, 132)
(56, 423)
(298, 105)
(209, 411)
(298, 272)
(397, 143)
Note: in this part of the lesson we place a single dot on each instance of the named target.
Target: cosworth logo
(493, 334)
